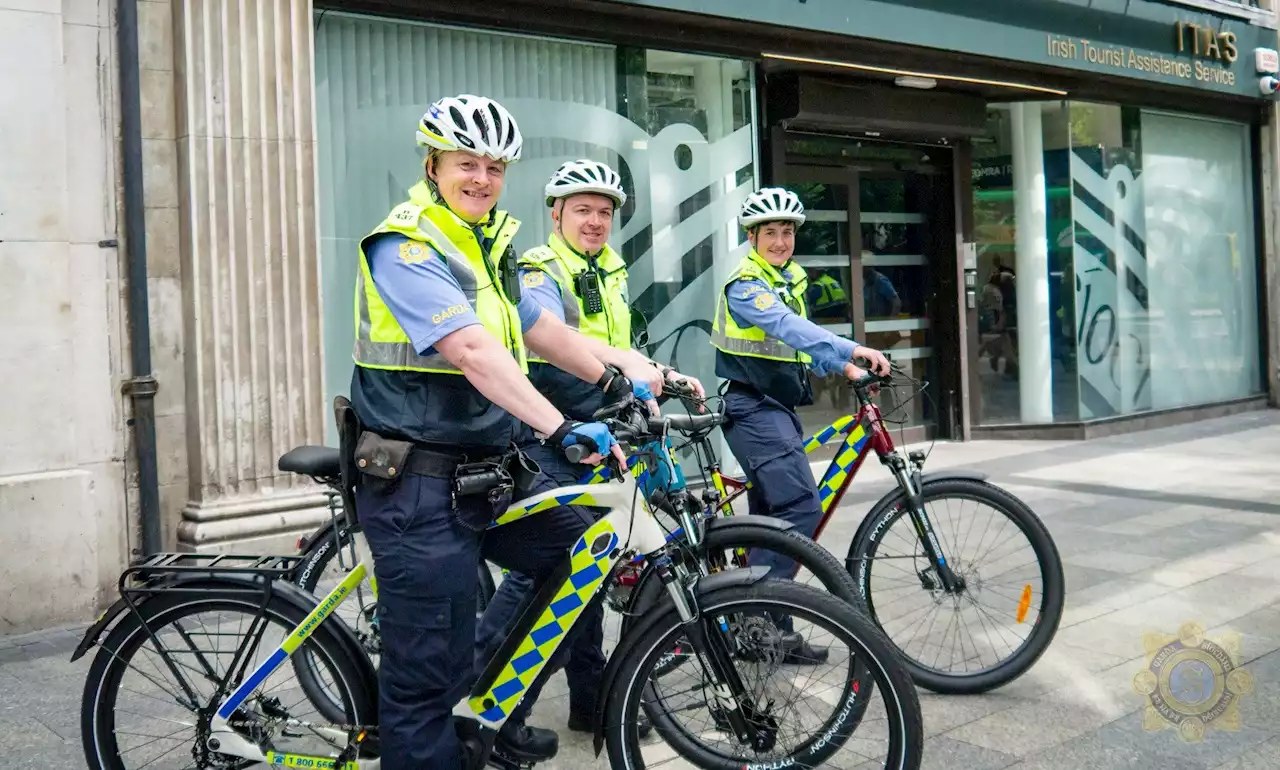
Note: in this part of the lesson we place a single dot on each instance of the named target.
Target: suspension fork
(910, 483)
(707, 638)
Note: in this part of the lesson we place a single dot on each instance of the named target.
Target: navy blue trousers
(425, 562)
(768, 442)
(582, 652)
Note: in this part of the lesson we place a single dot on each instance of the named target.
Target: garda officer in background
(765, 346)
(580, 279)
(439, 384)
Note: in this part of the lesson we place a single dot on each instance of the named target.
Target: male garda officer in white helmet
(581, 280)
(440, 384)
(765, 347)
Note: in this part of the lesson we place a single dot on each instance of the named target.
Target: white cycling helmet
(585, 176)
(772, 204)
(473, 123)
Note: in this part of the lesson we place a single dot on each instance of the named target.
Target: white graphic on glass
(1112, 338)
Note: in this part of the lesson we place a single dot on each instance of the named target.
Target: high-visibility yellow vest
(381, 343)
(788, 283)
(558, 260)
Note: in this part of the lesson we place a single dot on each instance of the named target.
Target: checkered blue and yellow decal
(519, 512)
(591, 559)
(838, 472)
(826, 434)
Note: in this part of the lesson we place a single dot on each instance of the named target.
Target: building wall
(228, 142)
(62, 354)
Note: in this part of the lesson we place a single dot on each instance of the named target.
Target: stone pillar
(1270, 251)
(252, 326)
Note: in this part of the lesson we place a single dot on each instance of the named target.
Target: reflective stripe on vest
(729, 337)
(388, 347)
(564, 265)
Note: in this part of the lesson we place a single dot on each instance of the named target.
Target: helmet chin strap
(438, 197)
(559, 231)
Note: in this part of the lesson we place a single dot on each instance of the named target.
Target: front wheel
(1001, 620)
(799, 715)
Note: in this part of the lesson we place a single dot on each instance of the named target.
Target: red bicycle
(911, 561)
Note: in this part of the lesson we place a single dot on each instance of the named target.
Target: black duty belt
(442, 465)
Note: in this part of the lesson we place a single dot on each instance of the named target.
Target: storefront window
(678, 127)
(1116, 267)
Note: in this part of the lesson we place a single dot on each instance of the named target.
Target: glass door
(879, 231)
(824, 248)
(896, 265)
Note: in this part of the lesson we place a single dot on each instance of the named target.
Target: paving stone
(948, 754)
(1264, 756)
(1028, 727)
(1114, 561)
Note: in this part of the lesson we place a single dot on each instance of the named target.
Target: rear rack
(172, 565)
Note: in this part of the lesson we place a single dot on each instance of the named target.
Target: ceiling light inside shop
(910, 74)
(911, 81)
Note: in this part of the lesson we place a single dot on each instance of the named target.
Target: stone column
(1270, 251)
(252, 326)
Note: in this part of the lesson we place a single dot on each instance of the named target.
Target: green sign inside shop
(1140, 39)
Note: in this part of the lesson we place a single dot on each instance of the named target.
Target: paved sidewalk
(1157, 529)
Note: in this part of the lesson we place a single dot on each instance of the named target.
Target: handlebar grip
(576, 452)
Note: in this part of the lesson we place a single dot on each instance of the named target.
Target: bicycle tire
(112, 660)
(307, 575)
(789, 542)
(322, 551)
(866, 643)
(866, 541)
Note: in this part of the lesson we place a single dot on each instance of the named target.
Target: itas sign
(1211, 53)
(1204, 42)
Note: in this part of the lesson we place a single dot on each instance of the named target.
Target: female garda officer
(440, 366)
(764, 346)
(580, 279)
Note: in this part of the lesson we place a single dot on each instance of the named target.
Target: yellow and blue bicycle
(197, 662)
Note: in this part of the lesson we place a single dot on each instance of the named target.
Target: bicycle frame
(862, 434)
(538, 632)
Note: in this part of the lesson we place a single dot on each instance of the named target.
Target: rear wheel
(726, 547)
(135, 712)
(327, 560)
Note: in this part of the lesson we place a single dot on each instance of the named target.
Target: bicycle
(942, 576)
(724, 616)
(939, 576)
(712, 544)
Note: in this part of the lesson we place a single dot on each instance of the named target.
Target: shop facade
(1088, 180)
(1057, 216)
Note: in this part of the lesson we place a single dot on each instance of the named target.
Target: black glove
(614, 384)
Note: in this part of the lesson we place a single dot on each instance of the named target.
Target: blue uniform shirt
(545, 295)
(419, 291)
(829, 352)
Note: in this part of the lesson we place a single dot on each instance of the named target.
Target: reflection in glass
(995, 360)
(1151, 266)
(678, 127)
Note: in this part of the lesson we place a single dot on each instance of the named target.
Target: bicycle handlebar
(639, 427)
